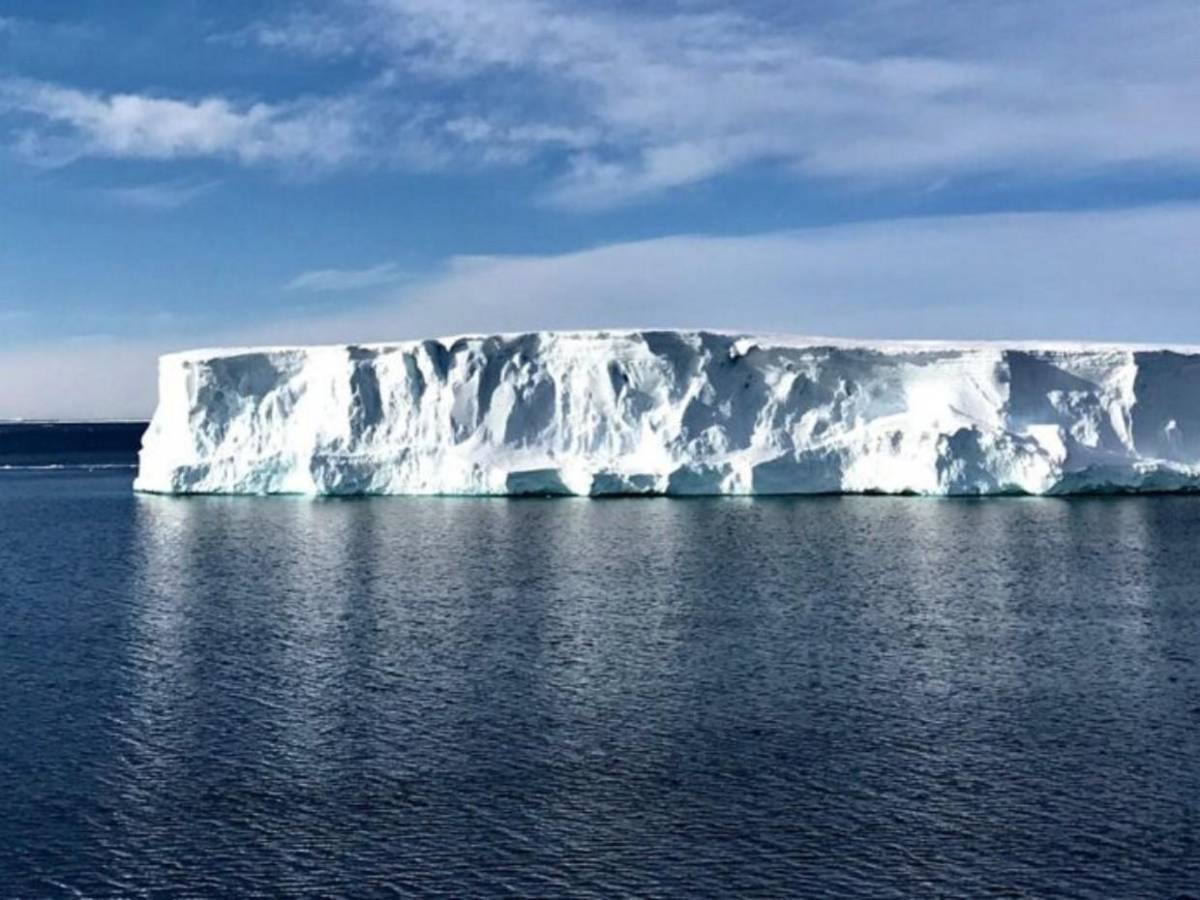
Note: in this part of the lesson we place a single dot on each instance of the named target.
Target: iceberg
(675, 413)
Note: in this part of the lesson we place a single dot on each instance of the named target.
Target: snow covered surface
(675, 412)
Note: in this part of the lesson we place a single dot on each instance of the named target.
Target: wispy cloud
(161, 195)
(326, 280)
(37, 31)
(68, 123)
(655, 100)
(1115, 275)
(620, 102)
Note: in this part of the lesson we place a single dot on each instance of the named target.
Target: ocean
(857, 696)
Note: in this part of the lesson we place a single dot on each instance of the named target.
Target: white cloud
(322, 280)
(623, 101)
(1107, 275)
(311, 32)
(161, 195)
(1124, 275)
(77, 123)
(928, 88)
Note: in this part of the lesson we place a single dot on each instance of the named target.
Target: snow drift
(666, 412)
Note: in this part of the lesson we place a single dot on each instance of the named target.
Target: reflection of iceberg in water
(238, 688)
(293, 652)
(447, 692)
(205, 628)
(167, 598)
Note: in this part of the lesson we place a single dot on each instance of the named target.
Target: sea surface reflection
(837, 695)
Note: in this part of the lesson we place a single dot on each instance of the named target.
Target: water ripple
(846, 696)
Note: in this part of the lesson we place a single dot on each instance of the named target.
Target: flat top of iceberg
(765, 339)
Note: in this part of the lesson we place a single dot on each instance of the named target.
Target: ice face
(667, 412)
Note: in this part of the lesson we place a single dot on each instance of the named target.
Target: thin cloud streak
(330, 280)
(160, 196)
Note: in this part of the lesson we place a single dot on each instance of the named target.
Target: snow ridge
(675, 412)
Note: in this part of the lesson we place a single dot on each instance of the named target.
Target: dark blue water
(859, 696)
(74, 444)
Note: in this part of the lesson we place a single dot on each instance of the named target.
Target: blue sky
(264, 172)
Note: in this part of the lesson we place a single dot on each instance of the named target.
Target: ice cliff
(672, 412)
